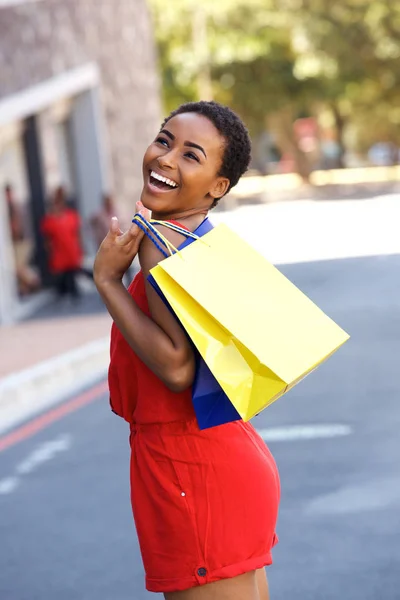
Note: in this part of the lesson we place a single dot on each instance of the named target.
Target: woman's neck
(191, 220)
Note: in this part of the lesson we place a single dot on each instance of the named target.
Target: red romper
(205, 503)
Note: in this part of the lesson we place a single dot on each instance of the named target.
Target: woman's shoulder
(155, 246)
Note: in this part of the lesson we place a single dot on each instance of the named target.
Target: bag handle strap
(176, 228)
(181, 230)
(158, 238)
(142, 224)
(155, 236)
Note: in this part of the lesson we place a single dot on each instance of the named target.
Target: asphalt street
(66, 528)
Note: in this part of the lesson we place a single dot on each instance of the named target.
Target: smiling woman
(205, 502)
(187, 167)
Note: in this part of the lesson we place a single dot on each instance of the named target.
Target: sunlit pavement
(65, 522)
(307, 230)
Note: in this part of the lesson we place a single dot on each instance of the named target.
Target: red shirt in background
(62, 235)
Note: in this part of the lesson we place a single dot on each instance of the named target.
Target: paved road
(65, 525)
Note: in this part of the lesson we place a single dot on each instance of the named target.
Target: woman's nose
(167, 160)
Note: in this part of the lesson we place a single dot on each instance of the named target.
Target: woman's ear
(220, 187)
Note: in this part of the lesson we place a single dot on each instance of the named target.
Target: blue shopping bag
(212, 406)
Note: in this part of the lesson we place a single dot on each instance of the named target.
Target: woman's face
(180, 167)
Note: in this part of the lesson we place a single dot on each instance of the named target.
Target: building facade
(79, 102)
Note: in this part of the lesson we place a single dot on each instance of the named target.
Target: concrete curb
(29, 392)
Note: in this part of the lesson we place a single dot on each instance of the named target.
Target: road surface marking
(377, 494)
(294, 433)
(44, 453)
(8, 485)
(26, 431)
(40, 455)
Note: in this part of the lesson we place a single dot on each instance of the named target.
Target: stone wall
(40, 40)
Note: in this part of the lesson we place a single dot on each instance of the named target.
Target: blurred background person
(27, 279)
(100, 225)
(384, 154)
(100, 222)
(61, 229)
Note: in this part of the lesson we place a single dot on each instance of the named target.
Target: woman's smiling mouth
(160, 182)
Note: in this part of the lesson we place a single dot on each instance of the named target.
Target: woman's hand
(118, 250)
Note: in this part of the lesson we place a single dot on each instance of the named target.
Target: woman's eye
(192, 156)
(162, 141)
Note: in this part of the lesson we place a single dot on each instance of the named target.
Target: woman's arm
(160, 342)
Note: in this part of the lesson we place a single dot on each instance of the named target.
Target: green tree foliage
(274, 60)
(353, 48)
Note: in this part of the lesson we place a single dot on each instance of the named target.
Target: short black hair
(237, 152)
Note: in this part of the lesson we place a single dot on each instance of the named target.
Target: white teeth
(164, 179)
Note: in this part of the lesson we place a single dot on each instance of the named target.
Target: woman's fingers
(134, 233)
(114, 226)
(124, 238)
(117, 252)
(143, 211)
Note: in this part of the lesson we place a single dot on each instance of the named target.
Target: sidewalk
(64, 347)
(332, 184)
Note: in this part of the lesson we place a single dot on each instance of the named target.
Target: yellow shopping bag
(256, 331)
